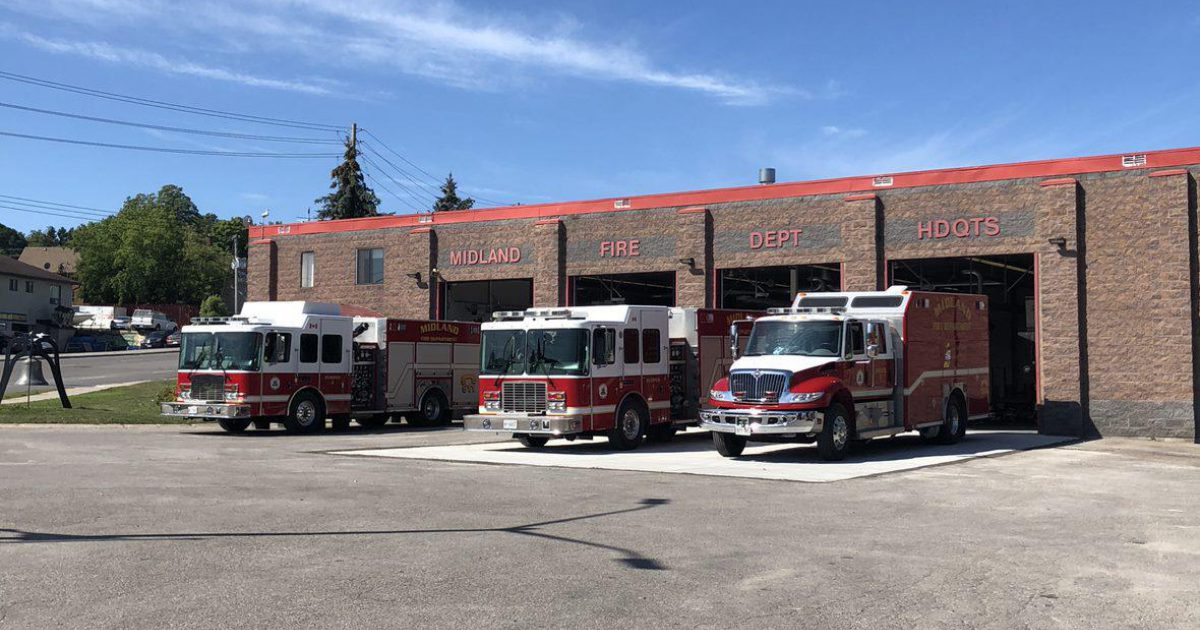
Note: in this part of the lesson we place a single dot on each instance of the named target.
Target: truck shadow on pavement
(895, 449)
(628, 557)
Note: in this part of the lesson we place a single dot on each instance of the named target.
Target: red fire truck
(840, 367)
(299, 363)
(627, 372)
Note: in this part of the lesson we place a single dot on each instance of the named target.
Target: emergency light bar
(786, 310)
(501, 316)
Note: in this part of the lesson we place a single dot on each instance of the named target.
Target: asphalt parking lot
(169, 527)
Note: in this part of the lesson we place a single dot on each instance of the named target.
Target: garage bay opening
(1008, 282)
(476, 301)
(760, 288)
(645, 289)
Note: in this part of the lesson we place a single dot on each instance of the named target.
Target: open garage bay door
(1008, 282)
(476, 301)
(760, 288)
(649, 289)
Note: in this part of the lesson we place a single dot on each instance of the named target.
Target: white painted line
(693, 453)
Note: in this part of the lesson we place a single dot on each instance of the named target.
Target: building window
(55, 294)
(370, 266)
(12, 284)
(307, 267)
(29, 286)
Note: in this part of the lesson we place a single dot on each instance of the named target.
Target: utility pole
(236, 269)
(354, 136)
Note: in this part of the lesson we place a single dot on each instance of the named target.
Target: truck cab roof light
(502, 316)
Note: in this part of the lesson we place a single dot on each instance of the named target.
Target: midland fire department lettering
(775, 239)
(493, 256)
(620, 249)
(958, 228)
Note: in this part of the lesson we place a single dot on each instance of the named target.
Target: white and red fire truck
(627, 372)
(299, 363)
(840, 367)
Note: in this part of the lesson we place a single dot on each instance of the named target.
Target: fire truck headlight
(556, 406)
(721, 394)
(491, 404)
(185, 393)
(801, 398)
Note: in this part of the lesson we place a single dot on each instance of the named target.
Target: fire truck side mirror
(733, 341)
(872, 350)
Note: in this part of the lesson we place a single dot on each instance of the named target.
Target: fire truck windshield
(811, 338)
(220, 351)
(553, 352)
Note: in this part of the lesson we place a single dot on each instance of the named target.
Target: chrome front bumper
(751, 422)
(521, 423)
(206, 411)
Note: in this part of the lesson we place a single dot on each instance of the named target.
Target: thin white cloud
(833, 131)
(442, 41)
(103, 51)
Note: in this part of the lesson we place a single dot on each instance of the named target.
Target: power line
(201, 111)
(43, 211)
(133, 147)
(385, 188)
(432, 191)
(433, 179)
(55, 203)
(35, 206)
(203, 132)
(406, 189)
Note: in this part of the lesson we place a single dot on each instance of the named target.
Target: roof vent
(766, 175)
(885, 180)
(622, 203)
(1132, 161)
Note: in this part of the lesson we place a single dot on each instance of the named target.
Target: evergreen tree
(11, 241)
(450, 199)
(351, 198)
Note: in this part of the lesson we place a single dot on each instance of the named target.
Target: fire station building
(1090, 266)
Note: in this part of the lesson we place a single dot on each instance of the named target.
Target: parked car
(155, 339)
(173, 340)
(146, 319)
(120, 322)
(96, 343)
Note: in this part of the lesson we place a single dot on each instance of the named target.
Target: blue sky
(532, 102)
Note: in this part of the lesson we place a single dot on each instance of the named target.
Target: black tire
(629, 426)
(954, 427)
(661, 433)
(306, 415)
(433, 411)
(834, 440)
(233, 425)
(372, 422)
(532, 441)
(729, 445)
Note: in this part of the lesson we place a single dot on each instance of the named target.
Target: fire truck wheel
(629, 428)
(729, 445)
(233, 425)
(434, 411)
(834, 440)
(532, 441)
(307, 414)
(955, 425)
(662, 432)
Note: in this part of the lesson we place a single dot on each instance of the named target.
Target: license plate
(193, 409)
(742, 427)
(510, 424)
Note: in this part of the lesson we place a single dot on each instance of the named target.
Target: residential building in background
(34, 299)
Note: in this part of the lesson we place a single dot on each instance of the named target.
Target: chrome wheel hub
(306, 413)
(841, 432)
(631, 424)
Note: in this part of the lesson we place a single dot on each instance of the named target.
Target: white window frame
(55, 294)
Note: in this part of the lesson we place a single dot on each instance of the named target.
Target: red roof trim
(861, 197)
(554, 221)
(1061, 181)
(963, 175)
(1174, 171)
(693, 210)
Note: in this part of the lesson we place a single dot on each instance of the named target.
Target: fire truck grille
(758, 385)
(208, 387)
(523, 397)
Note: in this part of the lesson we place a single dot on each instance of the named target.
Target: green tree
(450, 199)
(51, 237)
(157, 249)
(11, 241)
(213, 306)
(351, 198)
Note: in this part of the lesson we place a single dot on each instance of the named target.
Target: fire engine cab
(299, 363)
(841, 367)
(626, 372)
